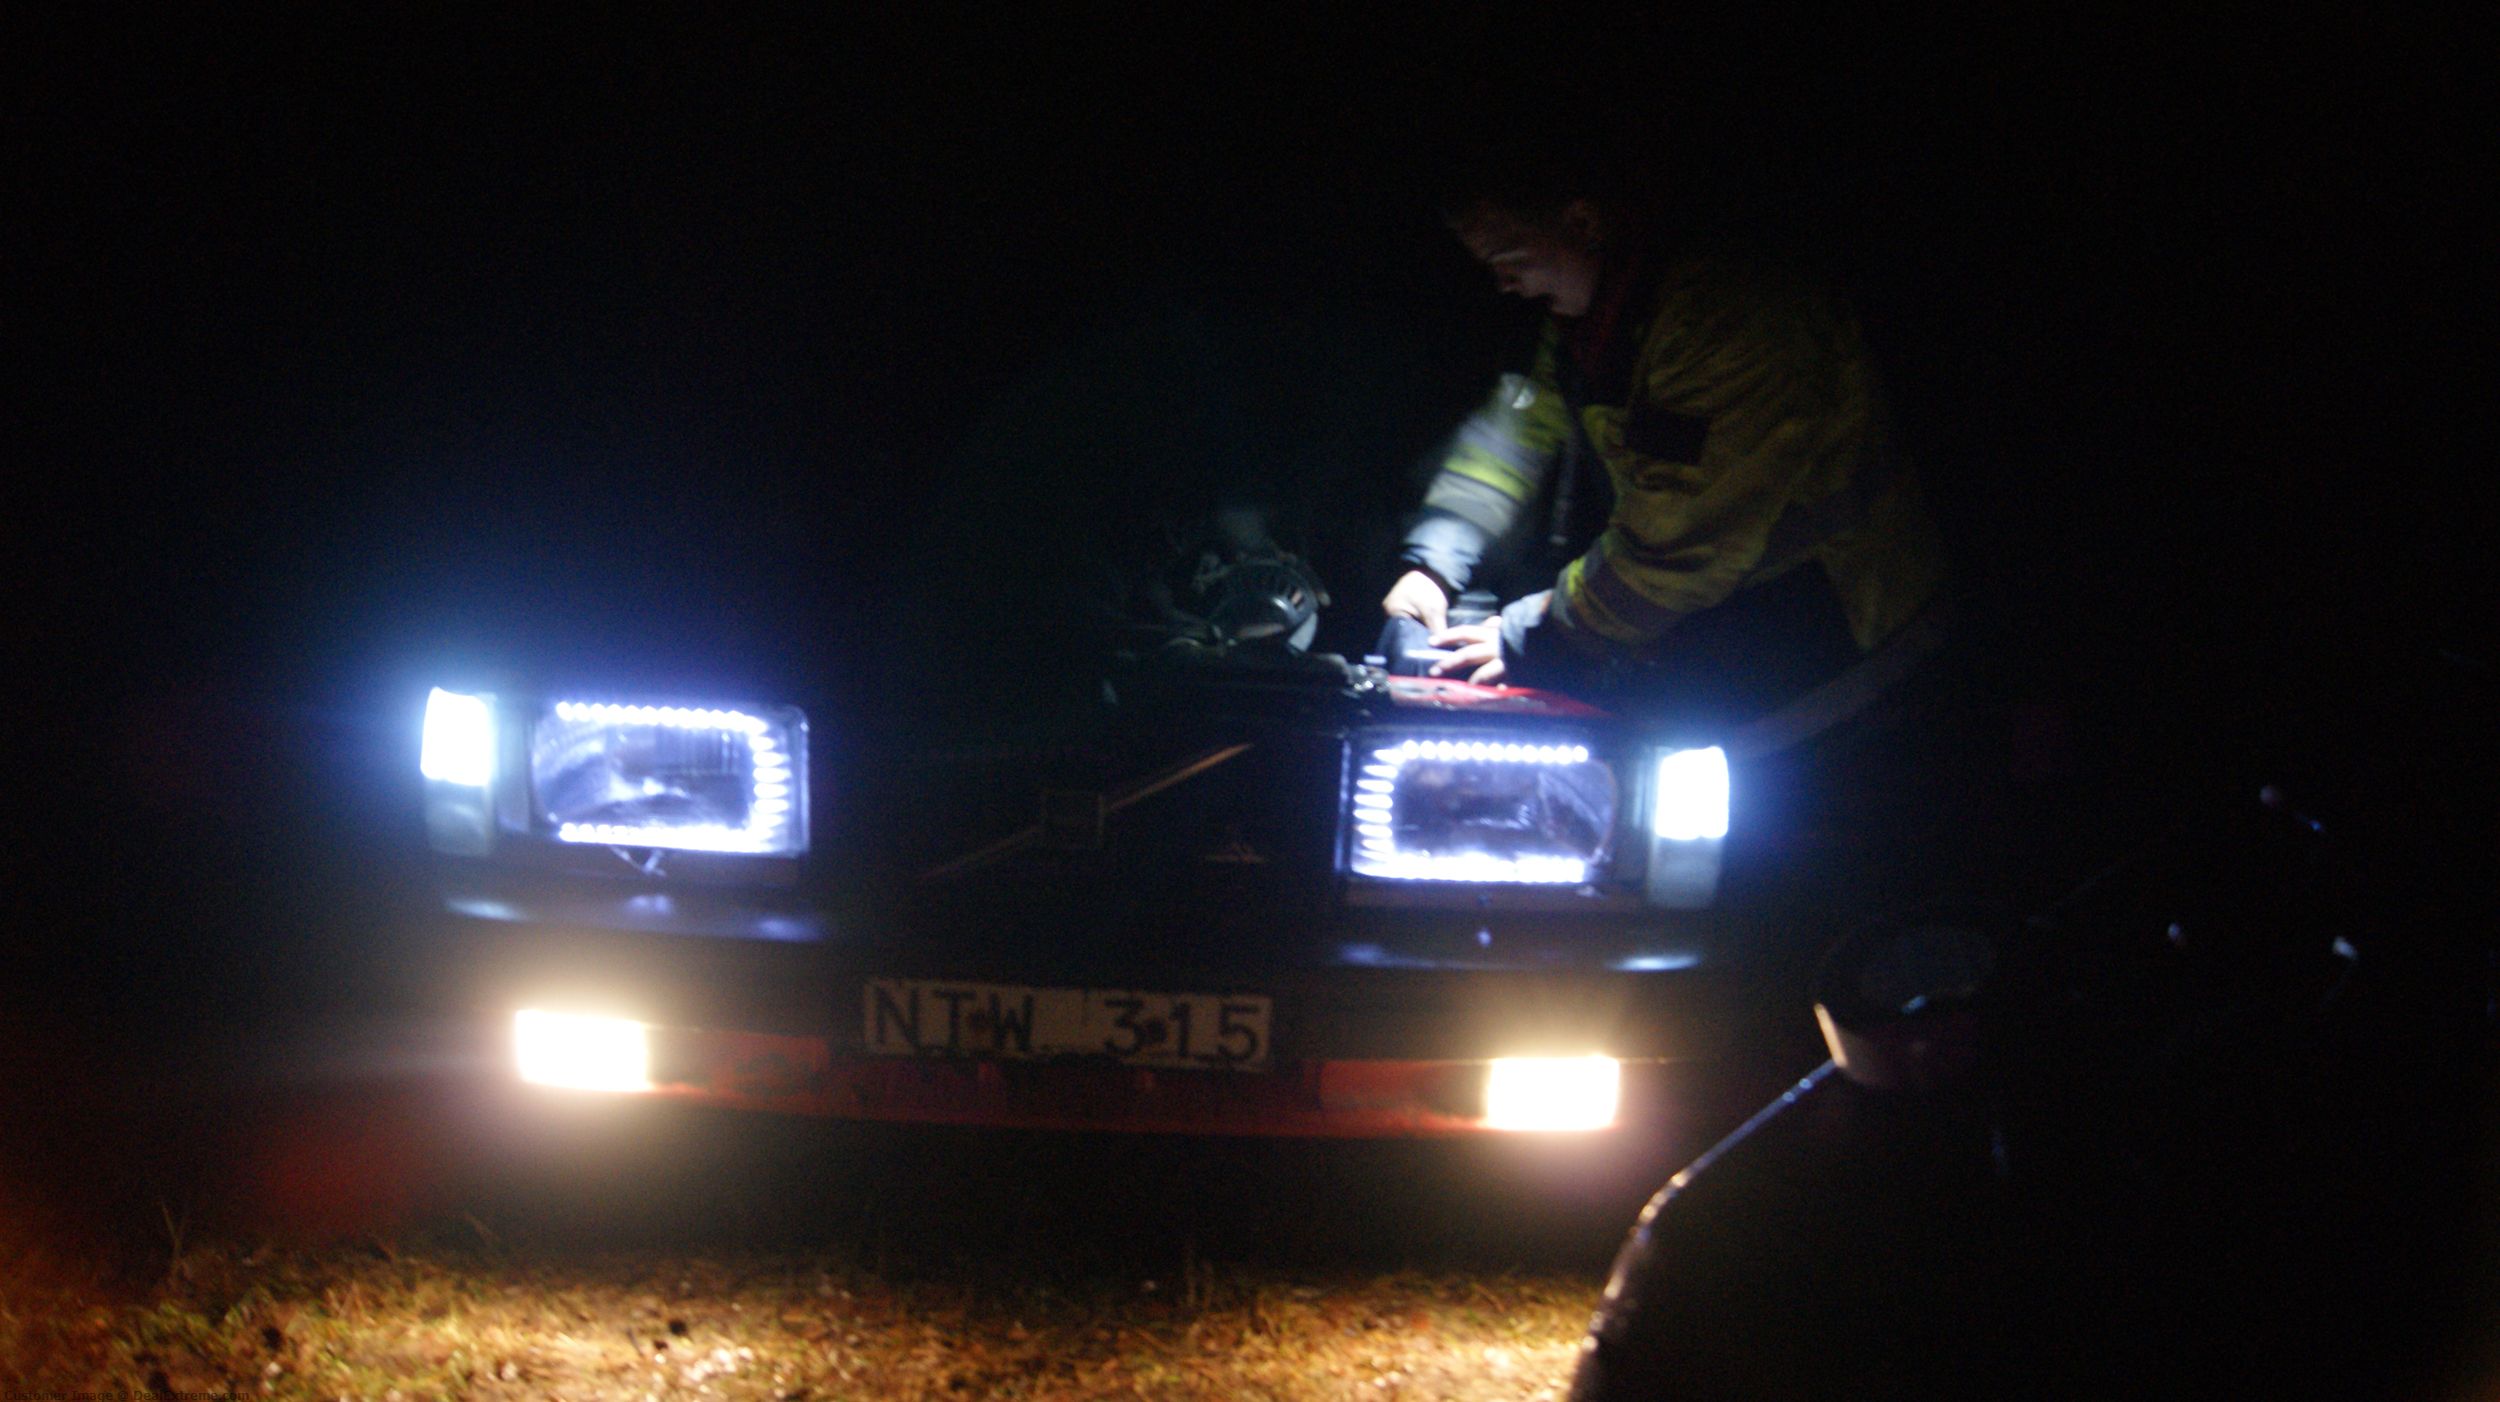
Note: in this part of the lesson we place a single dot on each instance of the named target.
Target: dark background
(813, 357)
(808, 357)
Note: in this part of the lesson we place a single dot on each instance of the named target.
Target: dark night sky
(796, 352)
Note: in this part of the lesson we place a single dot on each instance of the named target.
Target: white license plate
(928, 1017)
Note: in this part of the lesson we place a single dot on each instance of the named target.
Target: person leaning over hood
(1739, 425)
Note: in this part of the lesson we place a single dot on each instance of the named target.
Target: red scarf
(1600, 345)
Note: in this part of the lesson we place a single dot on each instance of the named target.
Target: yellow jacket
(1745, 437)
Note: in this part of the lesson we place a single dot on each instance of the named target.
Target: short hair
(1529, 176)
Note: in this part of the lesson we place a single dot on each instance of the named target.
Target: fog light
(572, 1052)
(1552, 1093)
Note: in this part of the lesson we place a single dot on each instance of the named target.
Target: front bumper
(1359, 1051)
(1310, 1099)
(1385, 1021)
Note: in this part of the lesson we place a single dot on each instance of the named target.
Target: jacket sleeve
(1494, 470)
(1743, 404)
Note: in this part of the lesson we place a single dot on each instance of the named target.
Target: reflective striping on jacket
(1480, 504)
(1598, 598)
(1761, 394)
(1498, 463)
(1472, 462)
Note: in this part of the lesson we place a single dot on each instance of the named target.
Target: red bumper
(802, 1076)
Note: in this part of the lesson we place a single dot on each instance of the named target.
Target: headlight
(729, 779)
(1688, 804)
(459, 744)
(458, 762)
(1457, 809)
(686, 778)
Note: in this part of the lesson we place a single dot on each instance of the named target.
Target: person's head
(1553, 257)
(1542, 218)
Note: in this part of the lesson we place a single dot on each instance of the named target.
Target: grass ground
(370, 1320)
(171, 1237)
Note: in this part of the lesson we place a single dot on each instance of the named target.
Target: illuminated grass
(361, 1323)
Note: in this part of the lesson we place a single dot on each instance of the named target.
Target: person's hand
(1478, 652)
(1418, 596)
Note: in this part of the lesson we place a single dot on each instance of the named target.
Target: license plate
(923, 1017)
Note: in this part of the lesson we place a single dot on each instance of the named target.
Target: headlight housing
(1533, 809)
(693, 779)
(603, 773)
(1462, 808)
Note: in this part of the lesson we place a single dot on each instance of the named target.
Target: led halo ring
(772, 823)
(1376, 853)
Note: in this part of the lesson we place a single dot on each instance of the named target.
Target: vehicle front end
(1304, 898)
